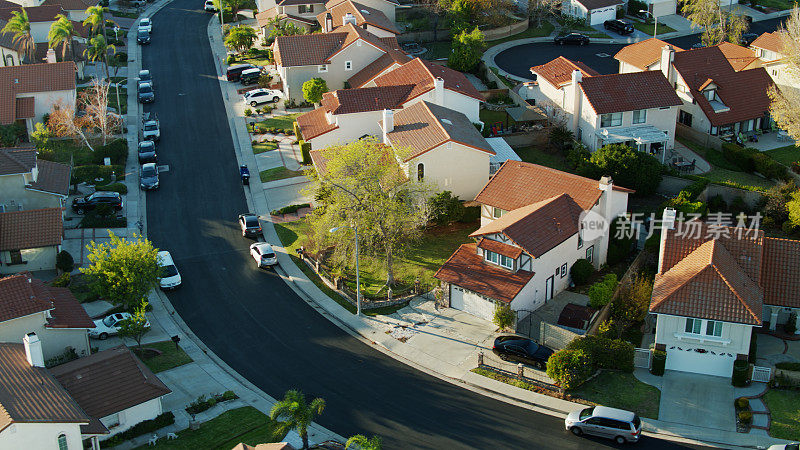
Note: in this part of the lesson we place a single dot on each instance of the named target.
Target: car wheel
(103, 336)
(576, 431)
(253, 104)
(560, 42)
(79, 211)
(620, 440)
(275, 99)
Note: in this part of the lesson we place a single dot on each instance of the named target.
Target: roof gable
(362, 13)
(629, 92)
(31, 78)
(769, 41)
(558, 72)
(643, 54)
(14, 161)
(422, 75)
(30, 228)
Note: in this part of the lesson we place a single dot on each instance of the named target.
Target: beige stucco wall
(464, 179)
(40, 436)
(351, 127)
(117, 423)
(54, 340)
(45, 101)
(43, 258)
(384, 6)
(10, 57)
(14, 196)
(670, 330)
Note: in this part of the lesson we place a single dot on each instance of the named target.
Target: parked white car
(210, 6)
(261, 95)
(146, 24)
(109, 325)
(792, 446)
(263, 254)
(170, 277)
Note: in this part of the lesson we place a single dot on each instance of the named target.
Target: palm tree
(361, 442)
(293, 413)
(20, 27)
(61, 32)
(96, 19)
(98, 51)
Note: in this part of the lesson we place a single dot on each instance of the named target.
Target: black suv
(143, 37)
(234, 72)
(92, 201)
(620, 26)
(520, 349)
(145, 93)
(250, 225)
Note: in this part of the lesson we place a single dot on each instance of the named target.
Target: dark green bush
(791, 324)
(61, 280)
(740, 369)
(144, 427)
(604, 353)
(751, 357)
(96, 220)
(305, 149)
(445, 208)
(90, 172)
(471, 214)
(740, 156)
(122, 188)
(745, 416)
(717, 204)
(581, 271)
(291, 209)
(785, 365)
(658, 363)
(65, 262)
(742, 403)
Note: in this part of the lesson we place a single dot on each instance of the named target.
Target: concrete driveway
(699, 400)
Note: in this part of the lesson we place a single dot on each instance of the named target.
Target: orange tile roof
(500, 248)
(769, 41)
(314, 123)
(18, 299)
(517, 184)
(30, 228)
(422, 74)
(620, 92)
(316, 49)
(72, 5)
(739, 57)
(467, 269)
(539, 227)
(263, 17)
(644, 53)
(363, 14)
(44, 13)
(373, 69)
(424, 126)
(558, 72)
(30, 78)
(348, 101)
(597, 4)
(780, 272)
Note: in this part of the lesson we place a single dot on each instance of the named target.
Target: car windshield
(586, 413)
(268, 255)
(168, 271)
(145, 88)
(150, 127)
(637, 422)
(145, 74)
(143, 33)
(149, 172)
(108, 321)
(146, 146)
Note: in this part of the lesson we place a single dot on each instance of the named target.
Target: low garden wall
(729, 193)
(790, 376)
(672, 185)
(554, 336)
(698, 137)
(506, 31)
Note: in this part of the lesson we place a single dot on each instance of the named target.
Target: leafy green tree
(123, 271)
(61, 33)
(96, 19)
(313, 90)
(785, 107)
(460, 14)
(793, 206)
(632, 304)
(19, 26)
(600, 293)
(136, 325)
(240, 38)
(569, 368)
(445, 208)
(504, 316)
(64, 262)
(467, 50)
(361, 442)
(98, 50)
(627, 167)
(293, 413)
(718, 25)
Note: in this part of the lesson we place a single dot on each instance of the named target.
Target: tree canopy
(718, 25)
(785, 107)
(467, 50)
(294, 413)
(240, 38)
(627, 167)
(313, 89)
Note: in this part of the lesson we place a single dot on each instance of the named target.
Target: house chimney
(667, 56)
(605, 183)
(348, 18)
(667, 223)
(388, 124)
(438, 85)
(577, 78)
(33, 350)
(328, 22)
(51, 56)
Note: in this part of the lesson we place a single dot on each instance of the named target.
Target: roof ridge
(718, 249)
(436, 119)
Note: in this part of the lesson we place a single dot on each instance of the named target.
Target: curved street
(253, 320)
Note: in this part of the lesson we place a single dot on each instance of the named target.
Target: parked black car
(147, 152)
(520, 349)
(143, 37)
(620, 26)
(250, 76)
(92, 201)
(572, 38)
(250, 225)
(145, 93)
(234, 72)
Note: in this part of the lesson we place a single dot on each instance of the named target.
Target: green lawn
(531, 32)
(278, 173)
(437, 50)
(264, 147)
(507, 81)
(245, 424)
(785, 155)
(169, 358)
(284, 122)
(621, 390)
(542, 157)
(725, 172)
(489, 118)
(785, 413)
(779, 5)
(129, 15)
(648, 28)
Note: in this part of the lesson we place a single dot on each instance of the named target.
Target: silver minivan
(620, 425)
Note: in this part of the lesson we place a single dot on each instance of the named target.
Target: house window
(305, 9)
(497, 212)
(506, 262)
(713, 328)
(685, 118)
(714, 131)
(62, 442)
(112, 420)
(322, 69)
(580, 238)
(348, 65)
(640, 116)
(563, 270)
(746, 126)
(16, 257)
(611, 120)
(420, 172)
(501, 260)
(590, 254)
(693, 325)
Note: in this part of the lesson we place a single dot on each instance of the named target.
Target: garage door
(601, 15)
(471, 303)
(664, 8)
(709, 362)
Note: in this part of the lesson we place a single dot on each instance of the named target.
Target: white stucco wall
(40, 436)
(670, 330)
(39, 31)
(13, 190)
(351, 127)
(44, 101)
(117, 423)
(371, 83)
(10, 57)
(54, 340)
(466, 105)
(43, 258)
(464, 179)
(380, 32)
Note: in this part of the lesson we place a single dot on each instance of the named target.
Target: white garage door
(708, 363)
(664, 8)
(471, 303)
(599, 16)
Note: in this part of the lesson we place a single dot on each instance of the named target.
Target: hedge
(740, 369)
(305, 149)
(297, 130)
(144, 427)
(751, 160)
(116, 150)
(604, 353)
(581, 271)
(289, 209)
(114, 187)
(88, 173)
(785, 365)
(659, 362)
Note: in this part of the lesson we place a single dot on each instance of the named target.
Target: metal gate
(642, 358)
(761, 374)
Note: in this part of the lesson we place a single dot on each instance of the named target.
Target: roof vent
(447, 121)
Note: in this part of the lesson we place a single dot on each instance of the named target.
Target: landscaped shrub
(248, 112)
(230, 60)
(144, 427)
(600, 293)
(64, 262)
(305, 150)
(717, 204)
(745, 416)
(116, 150)
(561, 138)
(785, 365)
(89, 173)
(796, 166)
(769, 167)
(742, 403)
(658, 363)
(445, 208)
(627, 167)
(61, 280)
(569, 368)
(68, 355)
(740, 156)
(578, 155)
(740, 369)
(471, 214)
(122, 188)
(791, 325)
(291, 209)
(604, 353)
(581, 271)
(504, 316)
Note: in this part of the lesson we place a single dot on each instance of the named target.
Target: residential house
(769, 49)
(113, 386)
(637, 108)
(642, 55)
(594, 12)
(301, 13)
(713, 286)
(428, 138)
(27, 182)
(335, 57)
(30, 239)
(35, 89)
(536, 222)
(387, 7)
(346, 115)
(53, 313)
(360, 15)
(76, 9)
(9, 50)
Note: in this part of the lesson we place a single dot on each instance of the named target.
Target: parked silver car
(617, 424)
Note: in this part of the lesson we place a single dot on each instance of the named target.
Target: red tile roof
(18, 299)
(30, 78)
(110, 381)
(643, 54)
(467, 269)
(53, 177)
(68, 312)
(769, 41)
(44, 13)
(72, 5)
(424, 126)
(17, 161)
(744, 92)
(501, 248)
(517, 184)
(264, 17)
(373, 69)
(314, 123)
(597, 4)
(780, 272)
(348, 101)
(558, 72)
(422, 74)
(539, 227)
(363, 14)
(31, 228)
(740, 58)
(26, 108)
(629, 91)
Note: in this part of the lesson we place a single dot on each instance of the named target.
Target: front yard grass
(784, 412)
(245, 424)
(779, 5)
(169, 358)
(725, 172)
(544, 157)
(265, 146)
(531, 32)
(278, 173)
(621, 390)
(785, 155)
(284, 122)
(648, 28)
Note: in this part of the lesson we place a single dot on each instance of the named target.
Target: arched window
(9, 60)
(62, 442)
(420, 172)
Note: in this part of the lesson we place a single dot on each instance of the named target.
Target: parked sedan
(148, 178)
(572, 39)
(83, 204)
(146, 24)
(109, 325)
(263, 254)
(143, 37)
(210, 6)
(147, 152)
(145, 77)
(170, 277)
(249, 225)
(261, 95)
(520, 349)
(145, 93)
(620, 26)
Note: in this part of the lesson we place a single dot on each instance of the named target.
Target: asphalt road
(600, 57)
(253, 320)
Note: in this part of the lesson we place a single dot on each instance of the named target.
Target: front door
(548, 289)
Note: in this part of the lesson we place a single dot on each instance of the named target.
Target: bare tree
(785, 108)
(64, 123)
(541, 10)
(95, 102)
(717, 24)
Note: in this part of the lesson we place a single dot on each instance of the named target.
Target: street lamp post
(358, 284)
(655, 26)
